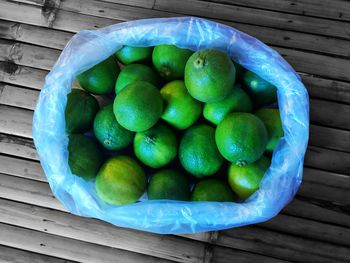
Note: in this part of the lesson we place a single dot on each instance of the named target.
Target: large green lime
(156, 147)
(84, 156)
(138, 106)
(168, 184)
(180, 109)
(209, 75)
(80, 111)
(129, 54)
(100, 79)
(237, 100)
(241, 138)
(170, 61)
(120, 181)
(136, 72)
(198, 153)
(245, 180)
(212, 190)
(109, 132)
(271, 119)
(262, 92)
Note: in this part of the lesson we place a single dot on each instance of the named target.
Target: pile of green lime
(170, 122)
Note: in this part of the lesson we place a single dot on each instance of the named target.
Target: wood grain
(12, 255)
(68, 248)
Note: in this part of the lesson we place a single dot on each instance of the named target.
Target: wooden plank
(19, 97)
(330, 113)
(257, 17)
(282, 245)
(335, 9)
(140, 3)
(15, 121)
(308, 228)
(330, 138)
(101, 233)
(225, 255)
(16, 146)
(12, 255)
(70, 249)
(333, 161)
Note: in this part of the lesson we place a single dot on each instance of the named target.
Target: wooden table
(312, 35)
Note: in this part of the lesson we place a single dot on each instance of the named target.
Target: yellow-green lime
(241, 138)
(168, 184)
(136, 72)
(170, 61)
(236, 101)
(180, 109)
(198, 153)
(80, 111)
(271, 119)
(84, 156)
(109, 132)
(209, 75)
(212, 190)
(129, 54)
(156, 147)
(100, 79)
(120, 181)
(245, 180)
(262, 92)
(138, 106)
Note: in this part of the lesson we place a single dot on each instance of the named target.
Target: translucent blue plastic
(88, 48)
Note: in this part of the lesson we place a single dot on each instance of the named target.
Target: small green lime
(209, 75)
(212, 190)
(271, 119)
(180, 109)
(170, 61)
(120, 181)
(198, 153)
(241, 138)
(80, 111)
(262, 92)
(236, 101)
(136, 72)
(84, 156)
(100, 79)
(245, 180)
(156, 147)
(168, 184)
(138, 106)
(109, 132)
(129, 54)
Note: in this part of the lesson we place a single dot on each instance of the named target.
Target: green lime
(136, 72)
(100, 79)
(237, 100)
(84, 156)
(109, 132)
(241, 138)
(271, 119)
(120, 181)
(129, 54)
(209, 75)
(80, 111)
(168, 184)
(245, 180)
(262, 92)
(198, 153)
(212, 190)
(170, 61)
(156, 147)
(138, 106)
(180, 109)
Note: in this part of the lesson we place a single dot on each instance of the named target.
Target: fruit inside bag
(165, 152)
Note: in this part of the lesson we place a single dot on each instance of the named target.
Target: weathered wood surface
(313, 37)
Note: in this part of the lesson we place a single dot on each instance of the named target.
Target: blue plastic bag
(89, 47)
